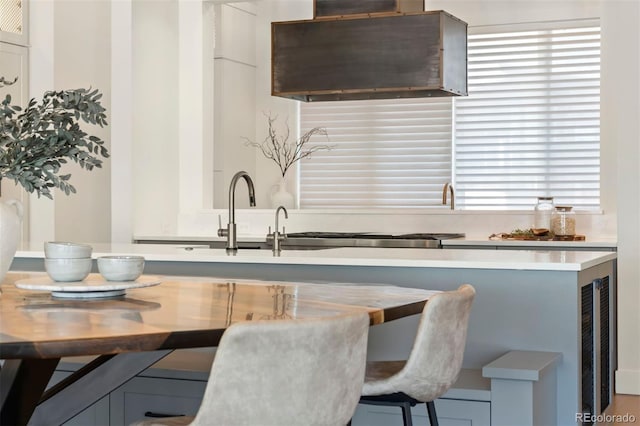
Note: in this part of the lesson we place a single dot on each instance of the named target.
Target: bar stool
(284, 372)
(434, 362)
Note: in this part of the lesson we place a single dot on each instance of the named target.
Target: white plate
(91, 287)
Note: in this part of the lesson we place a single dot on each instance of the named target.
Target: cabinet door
(451, 412)
(95, 415)
(141, 395)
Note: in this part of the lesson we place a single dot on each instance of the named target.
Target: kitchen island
(553, 301)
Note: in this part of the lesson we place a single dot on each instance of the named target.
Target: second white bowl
(120, 268)
(68, 269)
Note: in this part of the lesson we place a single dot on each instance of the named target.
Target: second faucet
(448, 186)
(277, 236)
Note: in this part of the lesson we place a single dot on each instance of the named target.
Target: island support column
(523, 388)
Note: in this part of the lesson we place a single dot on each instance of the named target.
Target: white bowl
(68, 269)
(120, 268)
(64, 250)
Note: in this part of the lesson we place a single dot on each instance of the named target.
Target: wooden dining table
(131, 332)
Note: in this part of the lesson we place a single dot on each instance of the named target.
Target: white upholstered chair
(284, 372)
(434, 362)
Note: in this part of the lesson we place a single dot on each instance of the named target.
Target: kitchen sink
(252, 246)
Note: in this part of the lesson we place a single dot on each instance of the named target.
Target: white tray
(91, 287)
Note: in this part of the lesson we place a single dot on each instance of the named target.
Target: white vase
(280, 195)
(10, 227)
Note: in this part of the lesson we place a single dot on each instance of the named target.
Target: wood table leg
(22, 383)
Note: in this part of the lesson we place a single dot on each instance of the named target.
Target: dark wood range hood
(374, 49)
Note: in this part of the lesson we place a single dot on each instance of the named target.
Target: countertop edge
(550, 260)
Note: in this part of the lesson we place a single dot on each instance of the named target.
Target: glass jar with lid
(543, 210)
(563, 221)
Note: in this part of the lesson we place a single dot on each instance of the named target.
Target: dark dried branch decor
(37, 141)
(284, 152)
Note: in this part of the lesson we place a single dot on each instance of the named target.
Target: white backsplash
(475, 224)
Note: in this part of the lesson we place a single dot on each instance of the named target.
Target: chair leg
(406, 414)
(431, 411)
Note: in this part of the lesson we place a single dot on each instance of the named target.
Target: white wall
(621, 142)
(156, 114)
(122, 120)
(162, 60)
(234, 105)
(66, 53)
(41, 59)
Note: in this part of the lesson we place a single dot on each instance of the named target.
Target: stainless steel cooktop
(366, 239)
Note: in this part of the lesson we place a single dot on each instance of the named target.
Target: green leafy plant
(284, 152)
(35, 142)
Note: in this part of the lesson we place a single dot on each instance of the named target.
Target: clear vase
(280, 195)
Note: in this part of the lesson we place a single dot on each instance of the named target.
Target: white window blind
(386, 153)
(531, 124)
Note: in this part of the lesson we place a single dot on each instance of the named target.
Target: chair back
(436, 357)
(287, 372)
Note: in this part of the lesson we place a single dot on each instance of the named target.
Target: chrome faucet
(448, 186)
(230, 232)
(276, 235)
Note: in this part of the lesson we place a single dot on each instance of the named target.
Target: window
(387, 153)
(529, 127)
(531, 124)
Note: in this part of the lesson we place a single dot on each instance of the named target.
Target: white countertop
(386, 257)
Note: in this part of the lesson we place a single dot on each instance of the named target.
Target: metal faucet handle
(270, 235)
(222, 232)
(282, 235)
